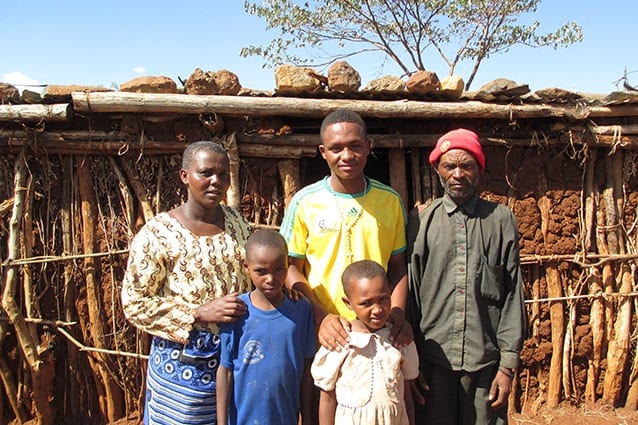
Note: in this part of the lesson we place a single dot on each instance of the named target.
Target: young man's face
(345, 148)
(370, 300)
(267, 268)
(459, 174)
(207, 178)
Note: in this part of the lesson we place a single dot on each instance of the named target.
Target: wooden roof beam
(36, 113)
(155, 103)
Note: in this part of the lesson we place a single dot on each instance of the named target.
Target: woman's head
(205, 172)
(203, 145)
(367, 293)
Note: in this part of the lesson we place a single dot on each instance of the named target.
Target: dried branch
(83, 347)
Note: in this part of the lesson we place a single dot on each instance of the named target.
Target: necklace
(347, 225)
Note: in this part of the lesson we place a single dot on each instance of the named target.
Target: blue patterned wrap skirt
(180, 381)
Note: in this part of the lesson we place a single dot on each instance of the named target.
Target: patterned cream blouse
(172, 271)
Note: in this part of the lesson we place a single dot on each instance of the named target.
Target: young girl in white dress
(366, 383)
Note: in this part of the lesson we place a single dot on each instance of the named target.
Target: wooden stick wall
(66, 220)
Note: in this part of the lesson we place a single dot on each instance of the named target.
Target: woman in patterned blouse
(183, 278)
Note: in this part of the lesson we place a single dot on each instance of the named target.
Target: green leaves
(407, 31)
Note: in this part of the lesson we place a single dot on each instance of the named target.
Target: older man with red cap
(466, 299)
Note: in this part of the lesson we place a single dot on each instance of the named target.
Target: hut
(82, 169)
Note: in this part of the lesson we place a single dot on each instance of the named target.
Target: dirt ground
(568, 415)
(596, 415)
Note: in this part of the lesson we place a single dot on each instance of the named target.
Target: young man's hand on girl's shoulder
(401, 334)
(333, 332)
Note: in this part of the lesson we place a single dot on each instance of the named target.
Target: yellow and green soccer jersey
(330, 230)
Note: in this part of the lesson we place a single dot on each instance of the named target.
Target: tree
(404, 30)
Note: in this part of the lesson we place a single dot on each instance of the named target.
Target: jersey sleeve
(294, 228)
(400, 244)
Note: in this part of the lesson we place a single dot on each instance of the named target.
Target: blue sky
(109, 42)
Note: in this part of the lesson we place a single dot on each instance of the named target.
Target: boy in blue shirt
(264, 372)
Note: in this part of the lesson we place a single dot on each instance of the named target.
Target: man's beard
(460, 194)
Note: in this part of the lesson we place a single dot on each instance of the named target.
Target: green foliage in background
(408, 32)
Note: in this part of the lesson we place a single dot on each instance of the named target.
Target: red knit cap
(458, 139)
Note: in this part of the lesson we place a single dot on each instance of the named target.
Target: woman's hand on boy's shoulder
(224, 309)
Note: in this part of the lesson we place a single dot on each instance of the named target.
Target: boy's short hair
(203, 145)
(363, 269)
(266, 237)
(342, 115)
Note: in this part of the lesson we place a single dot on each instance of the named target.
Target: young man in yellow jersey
(343, 218)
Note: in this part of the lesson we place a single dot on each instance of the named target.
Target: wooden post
(289, 174)
(597, 325)
(9, 295)
(619, 346)
(557, 318)
(30, 300)
(111, 400)
(69, 293)
(398, 181)
(568, 348)
(9, 305)
(39, 364)
(415, 162)
(606, 216)
(632, 394)
(127, 197)
(252, 187)
(233, 194)
(596, 313)
(618, 349)
(588, 211)
(535, 318)
(431, 186)
(11, 391)
(554, 289)
(138, 188)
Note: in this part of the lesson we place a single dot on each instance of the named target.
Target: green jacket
(466, 298)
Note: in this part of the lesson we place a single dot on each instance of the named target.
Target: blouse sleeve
(326, 367)
(143, 300)
(410, 362)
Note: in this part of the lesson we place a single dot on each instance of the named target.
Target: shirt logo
(352, 212)
(328, 224)
(252, 352)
